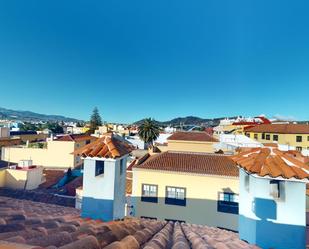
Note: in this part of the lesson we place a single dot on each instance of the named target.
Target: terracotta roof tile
(76, 137)
(280, 128)
(192, 136)
(107, 146)
(273, 163)
(200, 163)
(72, 232)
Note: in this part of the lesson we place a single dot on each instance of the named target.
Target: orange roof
(107, 146)
(192, 136)
(281, 128)
(272, 162)
(199, 163)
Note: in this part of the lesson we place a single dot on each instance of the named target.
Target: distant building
(25, 175)
(56, 154)
(104, 185)
(237, 126)
(4, 132)
(190, 141)
(230, 143)
(28, 136)
(272, 198)
(295, 135)
(75, 130)
(196, 188)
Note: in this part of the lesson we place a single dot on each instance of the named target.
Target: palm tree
(149, 131)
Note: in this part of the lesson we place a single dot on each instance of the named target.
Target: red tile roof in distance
(189, 162)
(76, 137)
(273, 163)
(107, 146)
(192, 136)
(280, 128)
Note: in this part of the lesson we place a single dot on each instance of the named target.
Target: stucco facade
(192, 146)
(21, 179)
(263, 219)
(286, 139)
(202, 192)
(58, 154)
(104, 194)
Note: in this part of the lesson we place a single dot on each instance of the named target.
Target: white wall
(102, 186)
(291, 207)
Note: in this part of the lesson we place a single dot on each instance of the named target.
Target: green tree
(54, 127)
(149, 131)
(27, 126)
(95, 120)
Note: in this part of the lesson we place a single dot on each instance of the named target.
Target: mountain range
(189, 120)
(32, 116)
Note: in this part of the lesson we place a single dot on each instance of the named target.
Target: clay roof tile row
(31, 225)
(192, 136)
(280, 128)
(107, 147)
(200, 163)
(273, 163)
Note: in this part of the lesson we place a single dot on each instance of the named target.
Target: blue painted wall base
(266, 234)
(97, 209)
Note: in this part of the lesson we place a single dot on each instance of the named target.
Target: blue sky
(161, 59)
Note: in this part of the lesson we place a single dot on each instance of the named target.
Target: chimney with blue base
(272, 198)
(104, 180)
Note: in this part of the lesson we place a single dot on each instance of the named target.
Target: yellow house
(296, 135)
(192, 141)
(57, 154)
(197, 188)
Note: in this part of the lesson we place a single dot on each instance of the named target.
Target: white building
(230, 142)
(104, 182)
(272, 198)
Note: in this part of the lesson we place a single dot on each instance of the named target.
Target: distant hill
(32, 116)
(190, 120)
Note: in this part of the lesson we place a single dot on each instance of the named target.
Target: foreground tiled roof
(273, 163)
(76, 137)
(29, 225)
(192, 136)
(37, 195)
(107, 146)
(281, 128)
(200, 163)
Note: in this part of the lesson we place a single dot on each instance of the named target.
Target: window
(256, 136)
(228, 203)
(121, 166)
(248, 134)
(299, 148)
(275, 189)
(87, 141)
(275, 137)
(247, 182)
(263, 135)
(99, 168)
(299, 139)
(175, 196)
(149, 193)
(308, 138)
(267, 137)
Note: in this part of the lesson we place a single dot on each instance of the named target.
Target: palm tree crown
(149, 131)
